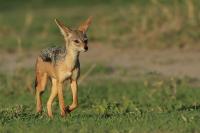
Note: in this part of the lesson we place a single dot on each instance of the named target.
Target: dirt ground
(169, 62)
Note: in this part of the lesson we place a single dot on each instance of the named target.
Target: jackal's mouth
(85, 50)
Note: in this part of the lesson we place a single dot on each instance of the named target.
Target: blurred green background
(127, 23)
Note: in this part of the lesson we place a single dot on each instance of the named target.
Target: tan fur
(66, 69)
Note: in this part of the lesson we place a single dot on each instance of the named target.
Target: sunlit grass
(157, 103)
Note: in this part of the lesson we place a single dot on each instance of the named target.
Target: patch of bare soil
(169, 62)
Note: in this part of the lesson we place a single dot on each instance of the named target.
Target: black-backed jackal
(60, 64)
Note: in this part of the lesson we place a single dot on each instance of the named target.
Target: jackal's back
(53, 54)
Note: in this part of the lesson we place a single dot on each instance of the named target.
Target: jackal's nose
(86, 48)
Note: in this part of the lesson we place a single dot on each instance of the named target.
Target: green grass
(149, 104)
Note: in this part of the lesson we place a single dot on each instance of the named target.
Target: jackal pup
(60, 64)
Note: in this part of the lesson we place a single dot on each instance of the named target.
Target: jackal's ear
(84, 27)
(64, 30)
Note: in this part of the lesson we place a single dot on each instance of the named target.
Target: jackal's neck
(71, 57)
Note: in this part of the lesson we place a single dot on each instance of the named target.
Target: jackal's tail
(35, 84)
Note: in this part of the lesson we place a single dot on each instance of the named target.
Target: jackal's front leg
(61, 98)
(74, 89)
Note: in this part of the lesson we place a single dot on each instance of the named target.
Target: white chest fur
(65, 69)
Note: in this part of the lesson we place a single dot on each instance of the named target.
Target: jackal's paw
(63, 113)
(50, 116)
(67, 109)
(73, 106)
(39, 112)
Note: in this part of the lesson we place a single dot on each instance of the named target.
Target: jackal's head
(75, 39)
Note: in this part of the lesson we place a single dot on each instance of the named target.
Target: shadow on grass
(189, 108)
(26, 113)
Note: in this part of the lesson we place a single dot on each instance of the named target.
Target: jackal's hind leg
(41, 80)
(54, 93)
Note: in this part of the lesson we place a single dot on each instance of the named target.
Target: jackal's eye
(76, 41)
